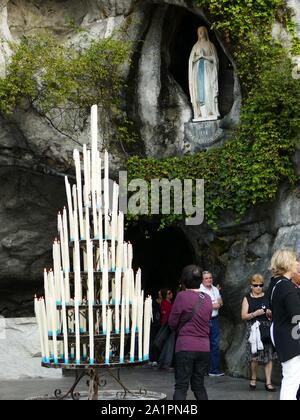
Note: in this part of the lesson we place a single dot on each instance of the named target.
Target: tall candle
(64, 319)
(45, 330)
(90, 261)
(140, 324)
(125, 257)
(133, 329)
(109, 326)
(57, 268)
(66, 240)
(47, 295)
(77, 333)
(77, 273)
(75, 214)
(99, 181)
(105, 274)
(114, 224)
(118, 301)
(94, 136)
(122, 338)
(91, 332)
(106, 194)
(40, 327)
(95, 215)
(138, 283)
(119, 257)
(67, 257)
(87, 177)
(121, 227)
(147, 325)
(130, 255)
(79, 192)
(127, 301)
(70, 208)
(101, 250)
(54, 331)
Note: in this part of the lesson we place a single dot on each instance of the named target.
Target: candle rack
(94, 314)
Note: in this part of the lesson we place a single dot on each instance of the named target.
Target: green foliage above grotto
(63, 81)
(249, 168)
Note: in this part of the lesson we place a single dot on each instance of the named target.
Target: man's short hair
(191, 277)
(205, 273)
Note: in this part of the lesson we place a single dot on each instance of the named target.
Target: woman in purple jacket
(193, 343)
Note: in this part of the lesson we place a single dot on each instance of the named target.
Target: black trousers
(190, 368)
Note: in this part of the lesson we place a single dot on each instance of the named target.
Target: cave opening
(161, 255)
(180, 35)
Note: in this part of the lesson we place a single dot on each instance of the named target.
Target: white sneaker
(216, 375)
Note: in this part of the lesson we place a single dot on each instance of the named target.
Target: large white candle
(105, 275)
(79, 192)
(101, 250)
(45, 331)
(122, 343)
(66, 240)
(95, 216)
(106, 194)
(87, 177)
(99, 181)
(75, 215)
(94, 136)
(91, 300)
(57, 268)
(109, 326)
(90, 261)
(70, 208)
(64, 320)
(138, 283)
(118, 300)
(130, 255)
(147, 325)
(114, 224)
(40, 327)
(125, 257)
(67, 257)
(48, 294)
(77, 273)
(127, 301)
(133, 329)
(77, 333)
(54, 331)
(140, 324)
(121, 227)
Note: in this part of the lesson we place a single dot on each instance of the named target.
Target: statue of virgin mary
(203, 78)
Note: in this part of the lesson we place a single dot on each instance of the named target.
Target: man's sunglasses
(257, 285)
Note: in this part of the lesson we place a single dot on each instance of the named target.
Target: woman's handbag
(265, 332)
(162, 337)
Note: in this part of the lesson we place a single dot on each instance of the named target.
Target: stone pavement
(224, 388)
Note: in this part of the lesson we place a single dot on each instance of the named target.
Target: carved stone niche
(181, 26)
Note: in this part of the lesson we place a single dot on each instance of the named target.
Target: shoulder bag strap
(188, 317)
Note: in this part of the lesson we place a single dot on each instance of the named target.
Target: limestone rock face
(20, 355)
(237, 252)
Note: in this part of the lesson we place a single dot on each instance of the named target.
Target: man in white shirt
(214, 293)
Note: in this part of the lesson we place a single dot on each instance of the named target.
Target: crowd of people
(185, 334)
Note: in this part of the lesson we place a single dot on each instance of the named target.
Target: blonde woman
(255, 308)
(285, 302)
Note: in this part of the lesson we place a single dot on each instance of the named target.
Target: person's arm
(245, 311)
(175, 313)
(292, 302)
(219, 298)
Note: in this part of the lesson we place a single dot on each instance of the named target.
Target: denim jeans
(215, 346)
(190, 368)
